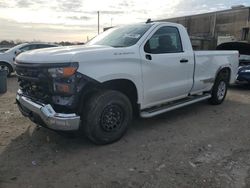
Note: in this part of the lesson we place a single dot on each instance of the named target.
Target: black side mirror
(147, 47)
(17, 52)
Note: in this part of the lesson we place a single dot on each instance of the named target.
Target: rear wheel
(106, 116)
(219, 90)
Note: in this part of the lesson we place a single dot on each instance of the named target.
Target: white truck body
(159, 78)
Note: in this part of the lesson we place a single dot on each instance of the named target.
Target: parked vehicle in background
(2, 50)
(242, 47)
(243, 75)
(144, 69)
(7, 58)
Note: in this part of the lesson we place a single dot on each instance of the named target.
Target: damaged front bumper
(45, 115)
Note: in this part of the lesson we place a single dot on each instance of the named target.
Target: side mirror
(147, 47)
(17, 52)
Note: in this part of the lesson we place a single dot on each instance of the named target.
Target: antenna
(149, 20)
(98, 21)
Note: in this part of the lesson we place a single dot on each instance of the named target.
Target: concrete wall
(205, 28)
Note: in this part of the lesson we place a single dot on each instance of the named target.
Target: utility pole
(214, 25)
(98, 14)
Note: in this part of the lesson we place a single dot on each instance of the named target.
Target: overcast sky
(75, 20)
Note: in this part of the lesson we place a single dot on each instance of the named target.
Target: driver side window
(165, 40)
(28, 47)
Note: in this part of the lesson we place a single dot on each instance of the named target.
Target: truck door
(166, 68)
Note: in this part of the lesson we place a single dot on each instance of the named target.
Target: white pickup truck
(143, 69)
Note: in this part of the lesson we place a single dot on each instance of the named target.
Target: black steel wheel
(106, 116)
(112, 118)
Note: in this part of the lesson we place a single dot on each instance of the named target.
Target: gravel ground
(196, 146)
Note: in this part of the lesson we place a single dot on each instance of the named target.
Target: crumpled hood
(57, 54)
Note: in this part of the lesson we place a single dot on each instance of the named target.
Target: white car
(2, 50)
(7, 58)
(144, 69)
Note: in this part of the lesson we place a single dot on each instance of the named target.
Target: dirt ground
(196, 146)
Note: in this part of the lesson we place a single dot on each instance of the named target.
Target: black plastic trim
(43, 65)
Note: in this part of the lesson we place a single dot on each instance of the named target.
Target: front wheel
(106, 116)
(219, 91)
(6, 67)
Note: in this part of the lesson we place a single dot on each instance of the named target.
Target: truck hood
(58, 54)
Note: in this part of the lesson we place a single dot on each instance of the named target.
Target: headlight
(63, 72)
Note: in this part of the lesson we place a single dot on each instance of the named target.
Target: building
(209, 29)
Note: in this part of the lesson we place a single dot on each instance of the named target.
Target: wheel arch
(225, 71)
(222, 75)
(125, 86)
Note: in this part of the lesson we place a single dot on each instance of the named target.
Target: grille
(34, 82)
(29, 72)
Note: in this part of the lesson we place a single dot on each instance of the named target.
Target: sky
(76, 20)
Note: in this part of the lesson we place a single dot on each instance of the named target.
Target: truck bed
(206, 67)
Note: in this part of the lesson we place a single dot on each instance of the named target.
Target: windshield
(121, 36)
(15, 48)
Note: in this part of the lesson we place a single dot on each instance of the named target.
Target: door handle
(149, 57)
(183, 60)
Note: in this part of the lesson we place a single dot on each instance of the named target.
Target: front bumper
(44, 114)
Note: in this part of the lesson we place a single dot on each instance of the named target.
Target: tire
(219, 90)
(106, 116)
(5, 66)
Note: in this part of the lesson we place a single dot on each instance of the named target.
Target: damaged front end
(49, 94)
